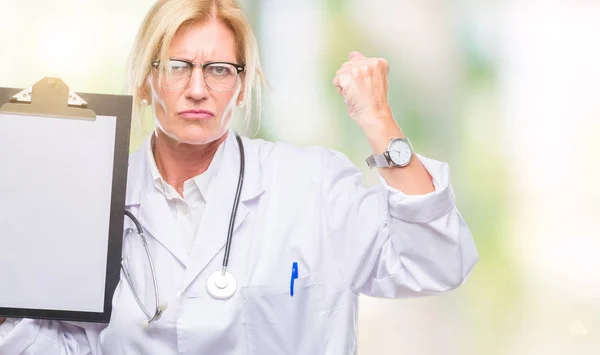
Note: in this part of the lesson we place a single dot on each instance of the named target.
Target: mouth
(196, 114)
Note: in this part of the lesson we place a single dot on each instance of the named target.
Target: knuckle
(342, 80)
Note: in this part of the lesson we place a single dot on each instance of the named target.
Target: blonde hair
(160, 25)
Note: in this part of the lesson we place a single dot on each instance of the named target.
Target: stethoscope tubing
(236, 202)
(140, 231)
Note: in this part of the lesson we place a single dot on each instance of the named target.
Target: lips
(197, 114)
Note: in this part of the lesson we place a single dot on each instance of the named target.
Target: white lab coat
(304, 205)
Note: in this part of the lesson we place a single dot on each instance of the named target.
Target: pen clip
(294, 277)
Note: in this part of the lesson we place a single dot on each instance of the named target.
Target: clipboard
(52, 101)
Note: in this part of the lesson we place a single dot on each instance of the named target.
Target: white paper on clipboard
(55, 196)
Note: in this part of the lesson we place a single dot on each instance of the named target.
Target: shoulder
(139, 158)
(283, 158)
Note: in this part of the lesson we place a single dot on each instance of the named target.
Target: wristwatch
(398, 154)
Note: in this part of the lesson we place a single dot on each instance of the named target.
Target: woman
(307, 237)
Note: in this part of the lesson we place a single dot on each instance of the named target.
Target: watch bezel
(389, 157)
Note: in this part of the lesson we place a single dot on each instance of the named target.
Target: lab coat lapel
(149, 205)
(155, 215)
(212, 233)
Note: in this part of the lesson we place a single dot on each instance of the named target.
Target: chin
(197, 135)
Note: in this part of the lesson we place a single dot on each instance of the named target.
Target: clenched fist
(363, 83)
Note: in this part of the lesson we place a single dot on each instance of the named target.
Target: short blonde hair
(160, 25)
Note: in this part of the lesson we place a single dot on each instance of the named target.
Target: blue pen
(294, 277)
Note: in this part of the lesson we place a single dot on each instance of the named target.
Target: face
(196, 114)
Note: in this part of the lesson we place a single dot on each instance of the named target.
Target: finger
(380, 64)
(350, 67)
(385, 64)
(336, 83)
(352, 63)
(355, 55)
(347, 69)
(342, 81)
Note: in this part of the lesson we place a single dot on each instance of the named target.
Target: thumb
(355, 55)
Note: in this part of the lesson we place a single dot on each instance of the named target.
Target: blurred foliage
(344, 36)
(493, 291)
(457, 119)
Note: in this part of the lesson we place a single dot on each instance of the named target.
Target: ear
(143, 93)
(240, 99)
(145, 90)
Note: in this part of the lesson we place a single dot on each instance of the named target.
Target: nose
(197, 89)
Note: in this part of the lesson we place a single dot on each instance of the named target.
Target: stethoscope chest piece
(221, 286)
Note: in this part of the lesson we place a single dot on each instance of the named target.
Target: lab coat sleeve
(48, 337)
(389, 244)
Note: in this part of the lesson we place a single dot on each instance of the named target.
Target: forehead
(207, 41)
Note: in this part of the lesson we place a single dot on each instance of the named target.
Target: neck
(178, 162)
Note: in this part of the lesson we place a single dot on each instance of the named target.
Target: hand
(363, 83)
(2, 320)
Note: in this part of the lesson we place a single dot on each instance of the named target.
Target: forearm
(412, 179)
(2, 320)
(393, 245)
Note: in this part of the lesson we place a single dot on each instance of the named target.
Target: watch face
(400, 152)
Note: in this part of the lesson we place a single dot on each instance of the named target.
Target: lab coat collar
(154, 213)
(212, 232)
(201, 182)
(140, 176)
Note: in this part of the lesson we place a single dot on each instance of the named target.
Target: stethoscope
(221, 284)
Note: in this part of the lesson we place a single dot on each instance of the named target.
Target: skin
(363, 83)
(185, 147)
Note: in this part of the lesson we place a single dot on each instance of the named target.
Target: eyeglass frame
(238, 67)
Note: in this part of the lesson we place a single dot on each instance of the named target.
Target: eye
(176, 67)
(220, 70)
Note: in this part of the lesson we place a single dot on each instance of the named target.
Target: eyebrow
(180, 58)
(207, 61)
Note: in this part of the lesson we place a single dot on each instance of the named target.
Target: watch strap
(378, 161)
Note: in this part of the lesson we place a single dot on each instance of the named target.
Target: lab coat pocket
(279, 323)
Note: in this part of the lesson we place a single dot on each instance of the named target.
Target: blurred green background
(504, 91)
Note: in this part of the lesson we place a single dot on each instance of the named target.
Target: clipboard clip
(49, 97)
(24, 97)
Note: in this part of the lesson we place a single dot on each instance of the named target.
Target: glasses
(218, 76)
